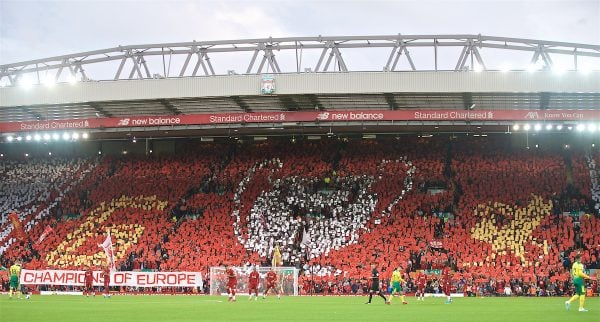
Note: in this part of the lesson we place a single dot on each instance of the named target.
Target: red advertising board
(311, 116)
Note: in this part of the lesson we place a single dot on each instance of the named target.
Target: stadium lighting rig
(49, 81)
(591, 127)
(48, 137)
(505, 68)
(25, 82)
(584, 70)
(580, 127)
(72, 80)
(559, 69)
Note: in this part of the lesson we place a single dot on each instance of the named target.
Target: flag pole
(112, 253)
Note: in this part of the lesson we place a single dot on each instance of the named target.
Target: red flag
(108, 251)
(17, 226)
(46, 232)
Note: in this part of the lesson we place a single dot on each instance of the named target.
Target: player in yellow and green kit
(397, 281)
(15, 272)
(578, 281)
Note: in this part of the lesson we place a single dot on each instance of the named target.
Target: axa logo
(323, 116)
(532, 115)
(123, 122)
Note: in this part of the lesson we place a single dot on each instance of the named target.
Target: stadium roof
(61, 88)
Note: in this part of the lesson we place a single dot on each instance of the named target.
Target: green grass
(207, 308)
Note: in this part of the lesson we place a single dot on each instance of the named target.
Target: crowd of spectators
(132, 197)
(32, 189)
(491, 212)
(317, 285)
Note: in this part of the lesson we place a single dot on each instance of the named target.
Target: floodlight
(584, 70)
(25, 82)
(558, 70)
(72, 80)
(505, 68)
(49, 81)
(591, 127)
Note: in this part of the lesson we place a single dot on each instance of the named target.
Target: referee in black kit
(375, 284)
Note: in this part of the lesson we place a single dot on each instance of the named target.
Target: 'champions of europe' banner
(138, 279)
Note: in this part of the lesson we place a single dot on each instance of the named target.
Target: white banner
(139, 279)
(60, 293)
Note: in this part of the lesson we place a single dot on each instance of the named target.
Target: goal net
(287, 279)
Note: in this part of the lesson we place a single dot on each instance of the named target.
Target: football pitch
(318, 308)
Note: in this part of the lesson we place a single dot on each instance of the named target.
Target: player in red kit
(271, 284)
(253, 280)
(231, 283)
(447, 280)
(106, 277)
(89, 282)
(421, 283)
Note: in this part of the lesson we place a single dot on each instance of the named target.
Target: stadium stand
(499, 216)
(33, 188)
